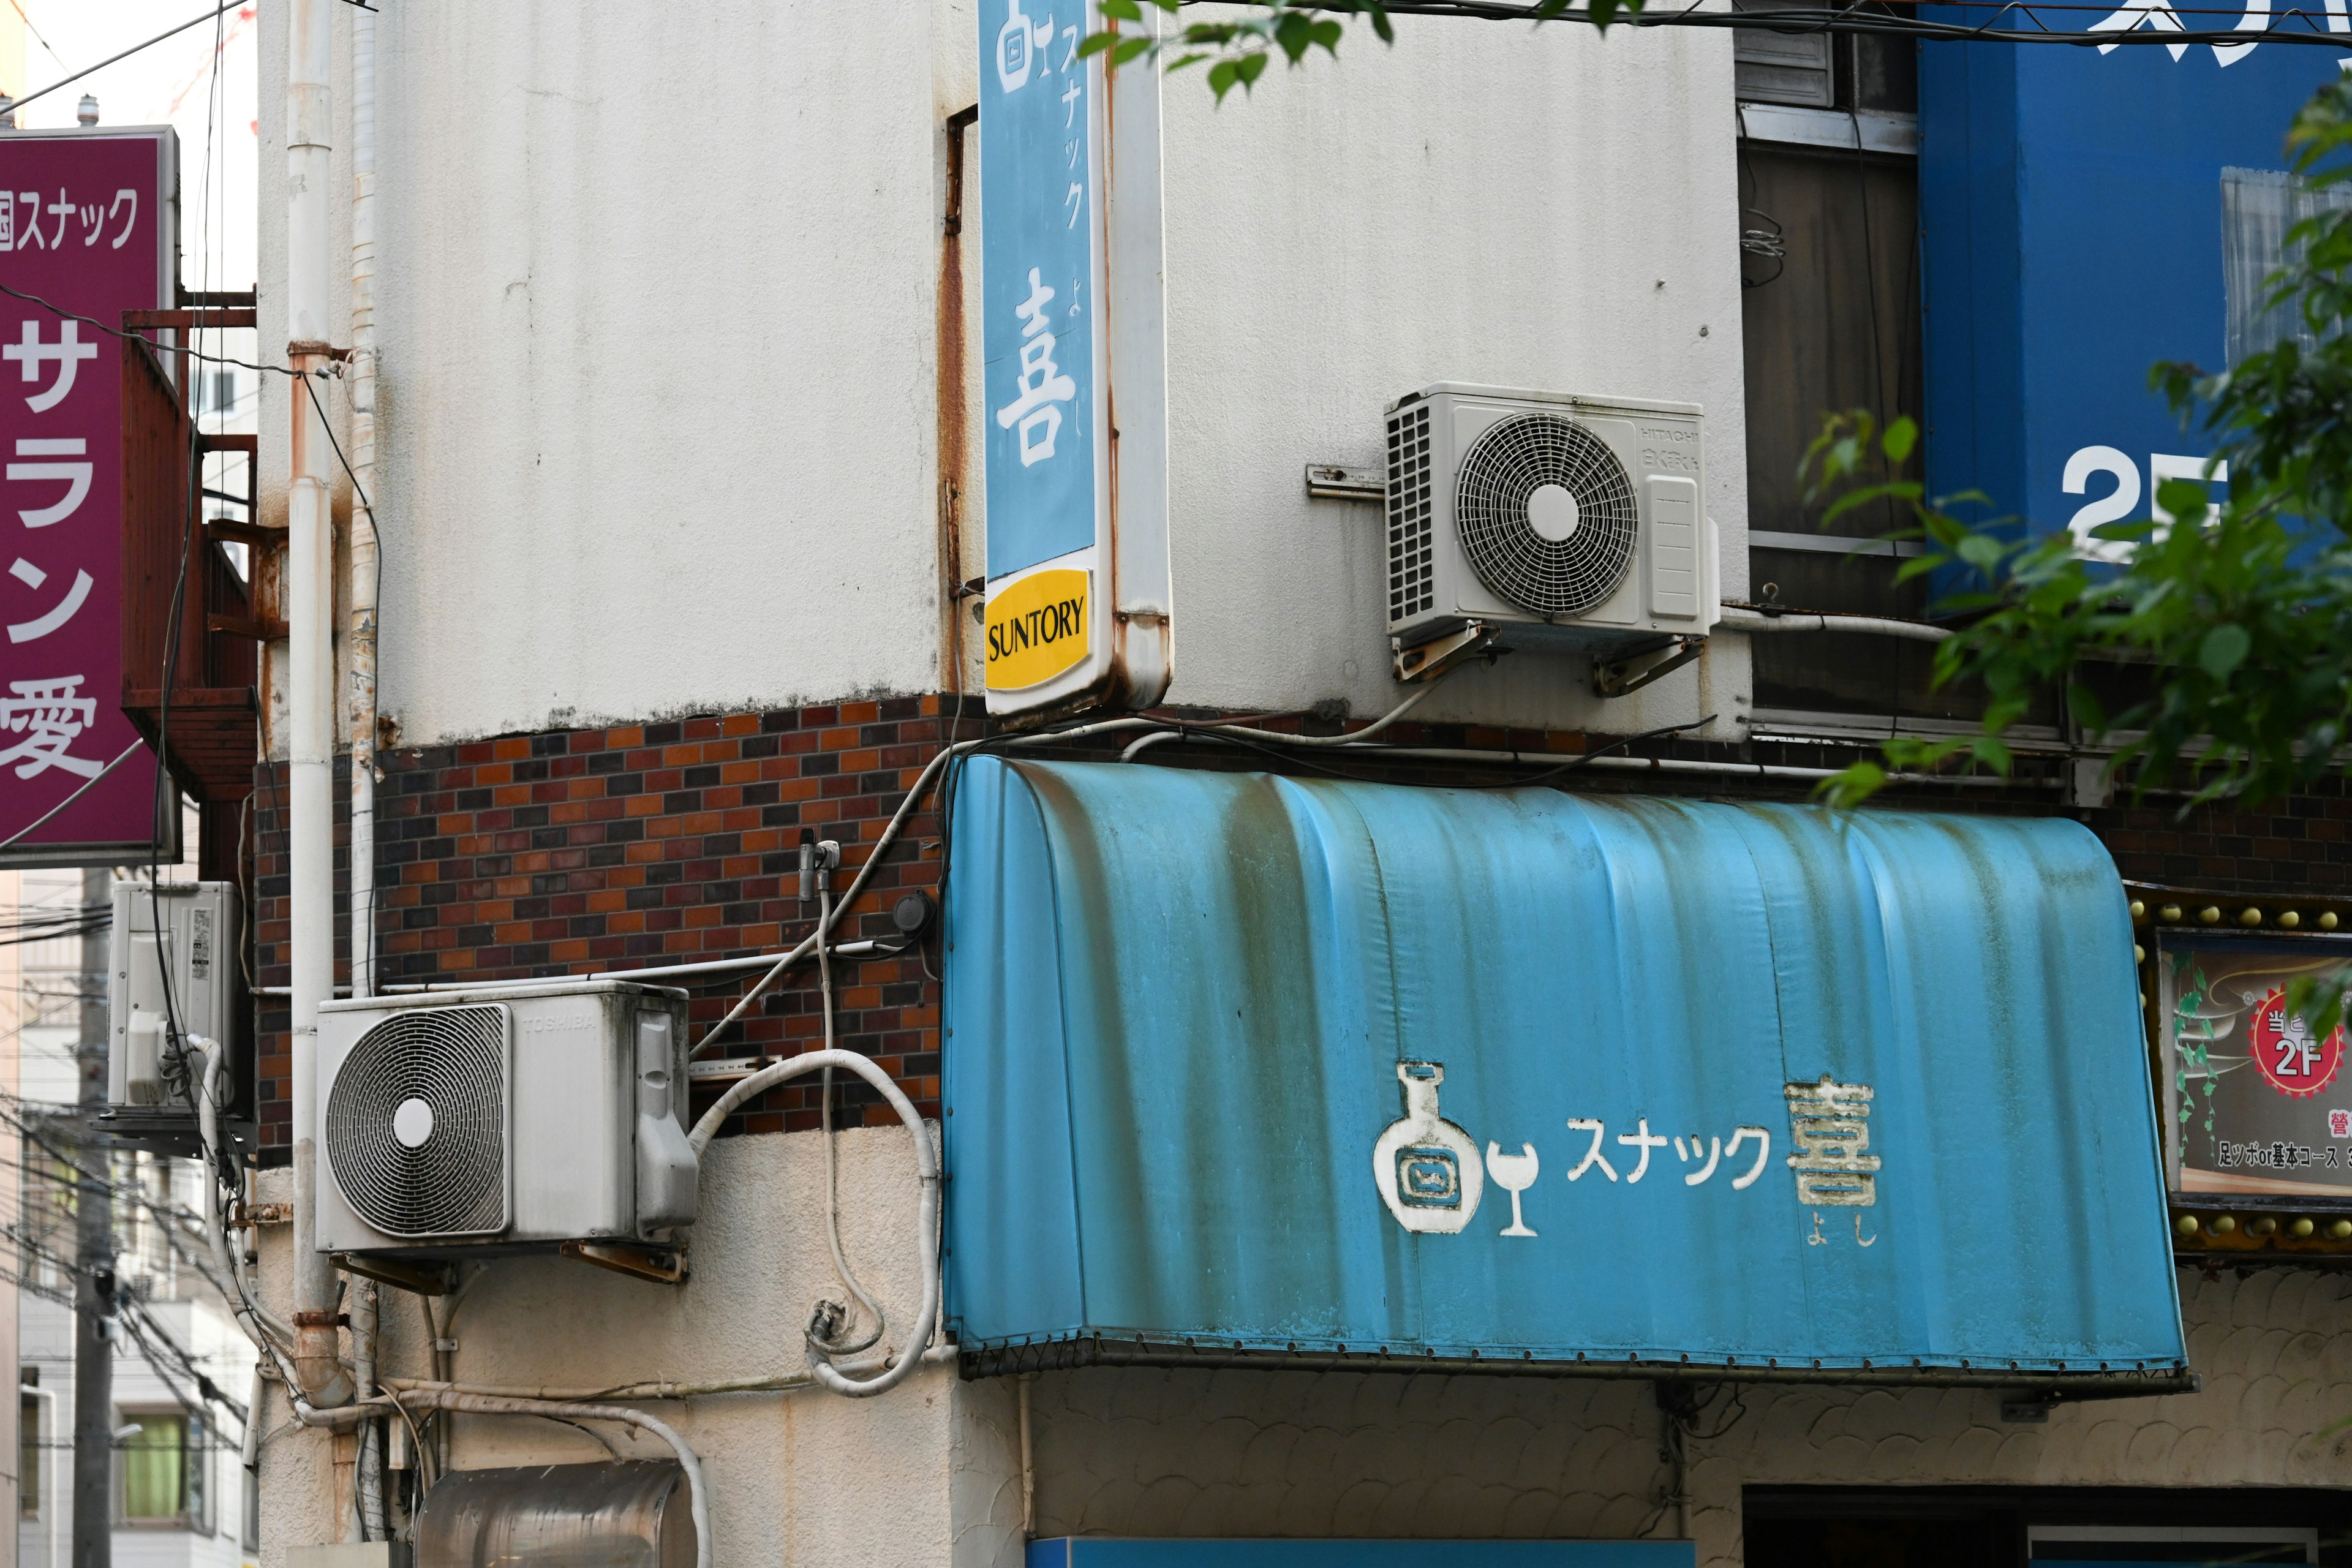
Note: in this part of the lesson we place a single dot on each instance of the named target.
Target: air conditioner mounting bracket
(1426, 661)
(1631, 672)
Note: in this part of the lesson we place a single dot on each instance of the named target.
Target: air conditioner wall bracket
(1623, 676)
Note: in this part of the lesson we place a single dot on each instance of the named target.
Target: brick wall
(582, 850)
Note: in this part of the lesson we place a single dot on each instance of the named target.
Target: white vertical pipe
(310, 660)
(360, 638)
(359, 650)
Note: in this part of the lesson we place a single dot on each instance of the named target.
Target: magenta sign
(86, 223)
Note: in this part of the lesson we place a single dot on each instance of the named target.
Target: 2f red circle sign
(2290, 1061)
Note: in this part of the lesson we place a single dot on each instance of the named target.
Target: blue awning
(1240, 1063)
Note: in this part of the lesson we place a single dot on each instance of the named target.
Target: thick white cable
(263, 1324)
(1741, 618)
(927, 1223)
(824, 1114)
(1146, 743)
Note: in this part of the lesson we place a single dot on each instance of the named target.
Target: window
(2259, 206)
(28, 1455)
(160, 1470)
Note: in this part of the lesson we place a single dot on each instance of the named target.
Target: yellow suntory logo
(1036, 629)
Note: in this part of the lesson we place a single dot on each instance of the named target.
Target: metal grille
(453, 1182)
(1412, 571)
(1507, 465)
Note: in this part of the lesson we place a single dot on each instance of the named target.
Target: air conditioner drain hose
(927, 1221)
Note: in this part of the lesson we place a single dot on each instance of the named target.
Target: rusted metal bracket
(260, 630)
(1616, 677)
(660, 1265)
(1333, 481)
(425, 1279)
(1425, 661)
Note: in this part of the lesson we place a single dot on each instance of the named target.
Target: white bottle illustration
(1018, 43)
(1427, 1169)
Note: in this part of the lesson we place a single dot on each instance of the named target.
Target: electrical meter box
(174, 970)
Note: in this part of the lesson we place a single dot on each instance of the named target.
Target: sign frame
(163, 836)
(1074, 444)
(2178, 1088)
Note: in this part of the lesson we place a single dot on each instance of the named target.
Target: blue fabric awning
(1245, 1063)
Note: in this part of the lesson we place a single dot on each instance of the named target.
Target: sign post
(86, 223)
(1075, 349)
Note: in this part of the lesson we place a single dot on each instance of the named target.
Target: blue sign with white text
(2086, 214)
(1039, 181)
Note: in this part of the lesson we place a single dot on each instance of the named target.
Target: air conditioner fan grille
(1503, 471)
(452, 1182)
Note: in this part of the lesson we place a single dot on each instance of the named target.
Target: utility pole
(93, 1429)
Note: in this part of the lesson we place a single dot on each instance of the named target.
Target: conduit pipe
(926, 1220)
(1747, 619)
(310, 661)
(360, 639)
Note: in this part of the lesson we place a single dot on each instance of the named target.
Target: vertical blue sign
(2073, 235)
(1040, 174)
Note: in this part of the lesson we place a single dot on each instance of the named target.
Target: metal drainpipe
(310, 660)
(360, 641)
(368, 1492)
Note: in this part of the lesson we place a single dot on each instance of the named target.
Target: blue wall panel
(2070, 208)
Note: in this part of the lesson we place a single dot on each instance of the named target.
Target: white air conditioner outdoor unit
(507, 1119)
(1560, 520)
(176, 962)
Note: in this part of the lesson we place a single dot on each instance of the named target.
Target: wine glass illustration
(1515, 1173)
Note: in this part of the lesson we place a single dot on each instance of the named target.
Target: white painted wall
(1553, 209)
(657, 298)
(803, 1478)
(656, 304)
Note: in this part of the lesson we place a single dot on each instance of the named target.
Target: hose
(927, 1222)
(833, 1187)
(1744, 618)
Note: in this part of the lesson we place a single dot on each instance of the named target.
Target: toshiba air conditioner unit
(1558, 519)
(507, 1119)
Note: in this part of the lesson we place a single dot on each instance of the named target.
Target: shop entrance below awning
(1247, 1069)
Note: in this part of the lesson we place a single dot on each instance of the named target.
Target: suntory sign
(1036, 629)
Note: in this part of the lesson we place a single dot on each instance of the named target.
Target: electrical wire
(92, 71)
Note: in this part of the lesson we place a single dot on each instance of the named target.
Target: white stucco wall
(799, 1477)
(1551, 209)
(656, 300)
(656, 311)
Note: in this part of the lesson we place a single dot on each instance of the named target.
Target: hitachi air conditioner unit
(507, 1119)
(1559, 519)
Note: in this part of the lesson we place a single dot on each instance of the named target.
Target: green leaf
(2184, 497)
(1983, 551)
(2223, 649)
(1900, 437)
(1221, 76)
(1096, 43)
(1125, 10)
(1130, 50)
